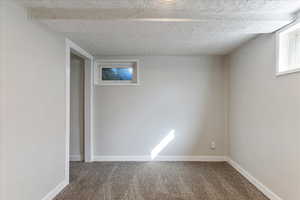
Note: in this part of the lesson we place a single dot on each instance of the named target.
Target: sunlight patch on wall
(162, 144)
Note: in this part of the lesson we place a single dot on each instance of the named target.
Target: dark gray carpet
(157, 181)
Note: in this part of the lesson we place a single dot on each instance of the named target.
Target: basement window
(288, 49)
(116, 72)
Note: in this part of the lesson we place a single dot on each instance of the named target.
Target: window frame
(99, 64)
(287, 29)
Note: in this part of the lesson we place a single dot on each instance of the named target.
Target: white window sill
(286, 72)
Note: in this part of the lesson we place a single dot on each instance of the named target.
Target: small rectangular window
(116, 72)
(288, 49)
(120, 74)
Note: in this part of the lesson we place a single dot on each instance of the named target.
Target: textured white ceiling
(162, 27)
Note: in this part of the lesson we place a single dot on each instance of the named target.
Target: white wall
(77, 107)
(34, 114)
(186, 94)
(265, 118)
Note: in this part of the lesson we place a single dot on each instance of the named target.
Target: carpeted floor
(157, 181)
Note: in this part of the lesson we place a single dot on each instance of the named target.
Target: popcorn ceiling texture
(162, 27)
(154, 38)
(200, 5)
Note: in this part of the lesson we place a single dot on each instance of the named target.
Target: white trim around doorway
(71, 47)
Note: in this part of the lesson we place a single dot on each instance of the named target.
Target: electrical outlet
(213, 145)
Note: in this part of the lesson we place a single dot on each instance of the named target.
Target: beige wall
(183, 93)
(1, 100)
(265, 118)
(77, 107)
(34, 98)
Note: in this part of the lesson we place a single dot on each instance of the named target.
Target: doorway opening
(76, 108)
(79, 105)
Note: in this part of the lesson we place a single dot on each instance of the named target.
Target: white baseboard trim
(56, 190)
(260, 186)
(159, 158)
(76, 158)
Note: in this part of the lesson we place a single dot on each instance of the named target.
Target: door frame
(71, 47)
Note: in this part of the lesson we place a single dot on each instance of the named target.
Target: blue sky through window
(112, 74)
